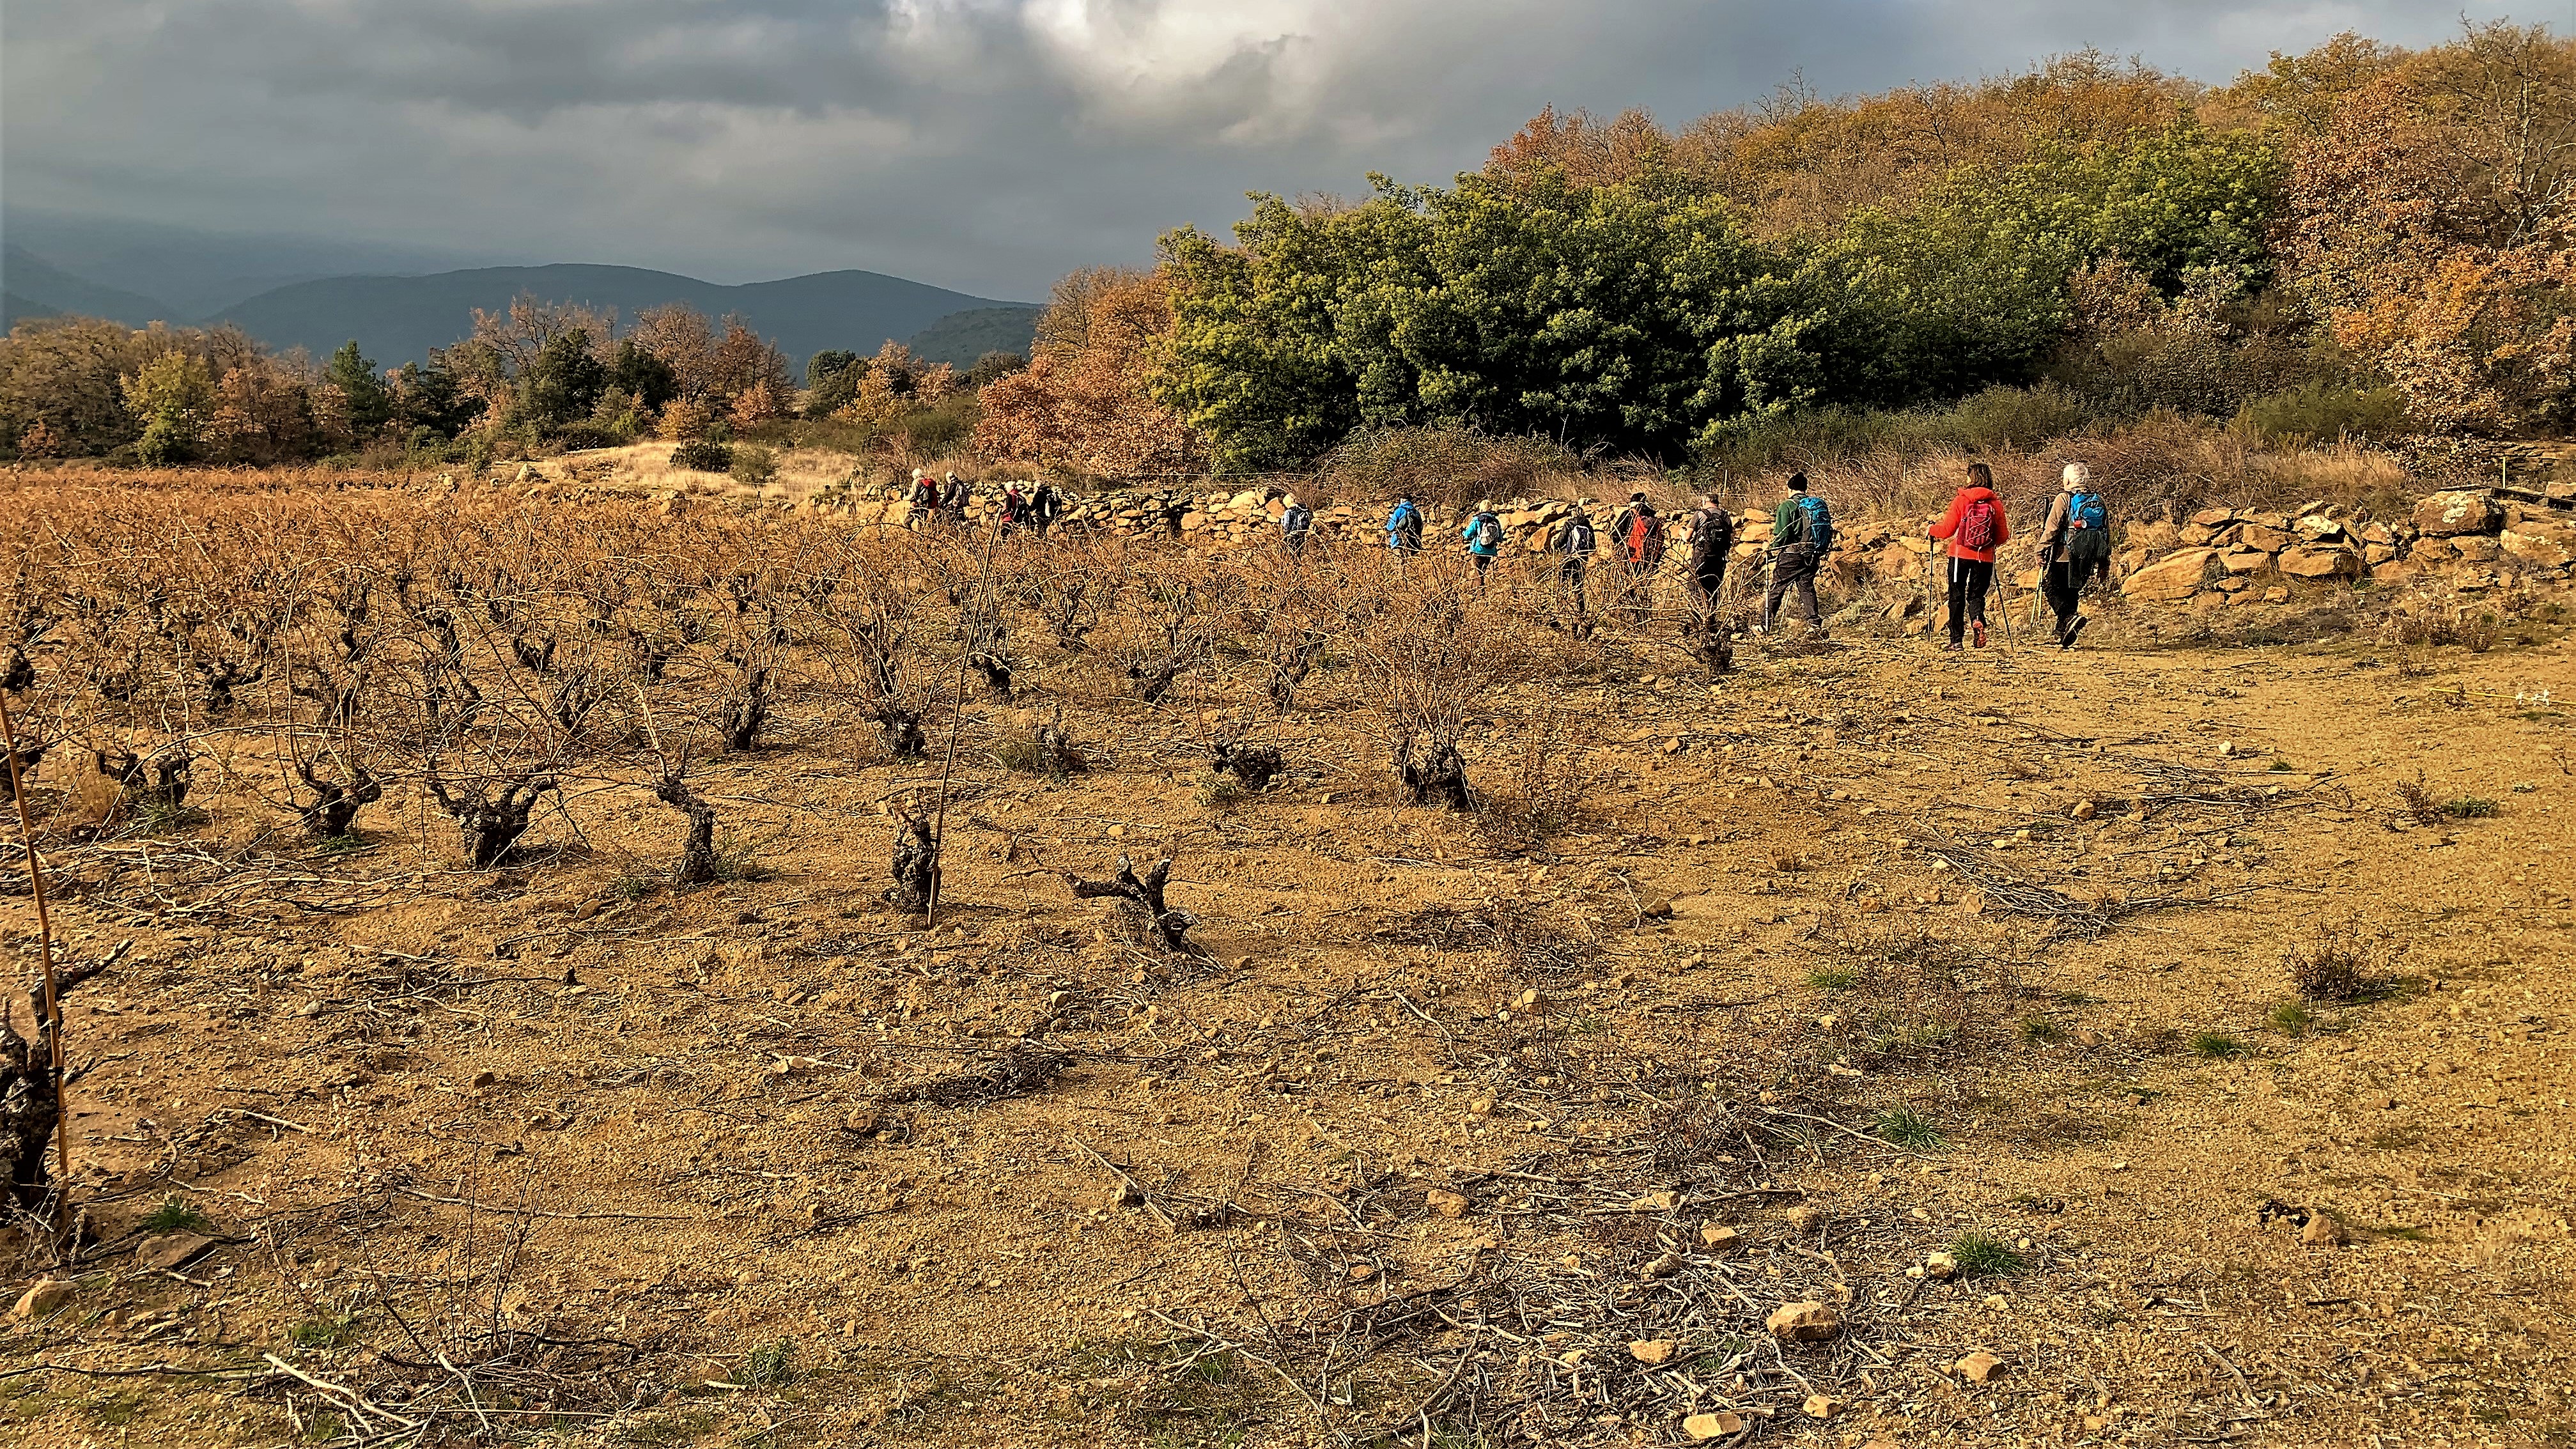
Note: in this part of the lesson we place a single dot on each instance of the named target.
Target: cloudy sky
(987, 145)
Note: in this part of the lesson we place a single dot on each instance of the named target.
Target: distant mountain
(399, 319)
(35, 282)
(961, 337)
(200, 272)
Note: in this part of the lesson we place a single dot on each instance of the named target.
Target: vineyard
(606, 970)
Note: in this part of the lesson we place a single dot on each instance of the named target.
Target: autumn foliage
(1085, 402)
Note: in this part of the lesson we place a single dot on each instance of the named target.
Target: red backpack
(1977, 525)
(1645, 539)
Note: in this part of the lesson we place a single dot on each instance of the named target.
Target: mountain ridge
(396, 319)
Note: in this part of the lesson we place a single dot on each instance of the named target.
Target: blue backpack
(1402, 523)
(1819, 524)
(2091, 543)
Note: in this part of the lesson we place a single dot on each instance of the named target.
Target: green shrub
(754, 464)
(2469, 807)
(703, 455)
(176, 1215)
(2322, 412)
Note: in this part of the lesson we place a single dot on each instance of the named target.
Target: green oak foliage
(1617, 316)
(1643, 317)
(2172, 202)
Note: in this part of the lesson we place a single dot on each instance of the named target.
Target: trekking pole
(2001, 589)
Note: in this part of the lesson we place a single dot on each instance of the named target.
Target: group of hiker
(2076, 550)
(945, 502)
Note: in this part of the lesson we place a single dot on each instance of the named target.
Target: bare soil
(1865, 952)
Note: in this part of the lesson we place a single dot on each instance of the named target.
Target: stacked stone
(2464, 537)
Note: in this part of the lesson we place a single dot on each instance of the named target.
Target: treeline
(532, 377)
(2356, 239)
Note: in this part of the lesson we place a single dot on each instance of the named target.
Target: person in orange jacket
(1974, 528)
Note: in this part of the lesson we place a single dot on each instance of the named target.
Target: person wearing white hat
(2075, 547)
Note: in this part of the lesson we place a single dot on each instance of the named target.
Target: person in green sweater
(1802, 533)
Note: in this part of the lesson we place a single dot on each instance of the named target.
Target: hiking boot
(2073, 628)
(1950, 648)
(1979, 629)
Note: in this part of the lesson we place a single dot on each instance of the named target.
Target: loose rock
(1653, 1350)
(1718, 1238)
(1980, 1367)
(1712, 1426)
(1446, 1203)
(1804, 1322)
(42, 1297)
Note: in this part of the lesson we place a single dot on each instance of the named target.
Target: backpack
(1579, 539)
(1404, 520)
(1297, 520)
(1815, 524)
(1485, 531)
(2090, 544)
(1712, 534)
(1976, 528)
(1644, 537)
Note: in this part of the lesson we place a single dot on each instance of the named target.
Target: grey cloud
(962, 142)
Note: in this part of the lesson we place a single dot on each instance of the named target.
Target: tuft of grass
(1219, 791)
(1833, 978)
(2469, 807)
(177, 1215)
(326, 1332)
(741, 859)
(2293, 1018)
(2041, 1031)
(2278, 764)
(771, 1364)
(341, 844)
(2216, 1044)
(2419, 802)
(1900, 1127)
(633, 888)
(2332, 967)
(1982, 1255)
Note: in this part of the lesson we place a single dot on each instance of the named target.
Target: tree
(1631, 317)
(562, 383)
(169, 397)
(63, 375)
(370, 403)
(648, 379)
(1084, 403)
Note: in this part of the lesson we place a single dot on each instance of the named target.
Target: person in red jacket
(1975, 528)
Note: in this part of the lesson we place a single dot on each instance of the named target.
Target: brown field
(1486, 1127)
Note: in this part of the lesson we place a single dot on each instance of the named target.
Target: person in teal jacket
(1404, 526)
(1484, 536)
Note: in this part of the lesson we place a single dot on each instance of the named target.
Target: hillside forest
(2359, 241)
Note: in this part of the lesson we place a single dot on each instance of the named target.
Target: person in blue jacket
(1404, 526)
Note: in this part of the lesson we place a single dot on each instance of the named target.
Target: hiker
(952, 501)
(1045, 508)
(1638, 534)
(2078, 547)
(1295, 522)
(1575, 542)
(1404, 526)
(922, 498)
(1974, 527)
(1015, 508)
(1484, 536)
(1712, 534)
(1802, 534)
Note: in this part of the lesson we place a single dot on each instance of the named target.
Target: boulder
(2550, 545)
(2270, 540)
(2461, 511)
(41, 1298)
(2246, 561)
(2321, 561)
(2173, 578)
